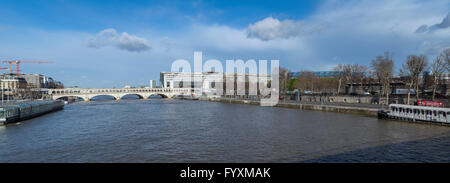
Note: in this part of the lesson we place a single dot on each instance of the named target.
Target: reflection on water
(158, 130)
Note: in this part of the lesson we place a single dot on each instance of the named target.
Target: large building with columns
(209, 81)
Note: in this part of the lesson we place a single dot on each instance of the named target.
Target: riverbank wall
(16, 112)
(366, 111)
(376, 100)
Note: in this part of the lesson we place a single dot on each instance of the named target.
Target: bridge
(88, 93)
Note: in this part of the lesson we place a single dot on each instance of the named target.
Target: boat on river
(416, 113)
(18, 112)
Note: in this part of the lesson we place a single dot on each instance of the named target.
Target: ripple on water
(197, 131)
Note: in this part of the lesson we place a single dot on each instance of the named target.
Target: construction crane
(17, 62)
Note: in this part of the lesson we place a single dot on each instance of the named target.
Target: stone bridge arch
(140, 95)
(159, 94)
(90, 97)
(77, 96)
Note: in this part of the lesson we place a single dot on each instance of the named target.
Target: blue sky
(117, 43)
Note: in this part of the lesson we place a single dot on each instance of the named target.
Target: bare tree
(445, 55)
(415, 66)
(383, 67)
(352, 73)
(348, 75)
(358, 73)
(284, 77)
(305, 80)
(411, 72)
(327, 84)
(437, 68)
(339, 69)
(407, 78)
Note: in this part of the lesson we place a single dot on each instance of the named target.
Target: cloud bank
(124, 41)
(356, 32)
(443, 25)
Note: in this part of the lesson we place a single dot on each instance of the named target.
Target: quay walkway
(354, 108)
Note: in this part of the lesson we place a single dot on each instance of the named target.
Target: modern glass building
(320, 74)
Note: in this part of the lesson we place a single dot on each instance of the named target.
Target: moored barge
(23, 111)
(416, 113)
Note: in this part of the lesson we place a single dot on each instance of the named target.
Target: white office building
(208, 81)
(152, 84)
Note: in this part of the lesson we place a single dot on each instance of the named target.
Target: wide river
(166, 130)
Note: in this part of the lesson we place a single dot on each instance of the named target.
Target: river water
(166, 130)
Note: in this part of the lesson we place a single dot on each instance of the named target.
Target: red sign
(430, 103)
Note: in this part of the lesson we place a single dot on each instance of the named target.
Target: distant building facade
(209, 81)
(36, 80)
(12, 83)
(12, 86)
(152, 84)
(320, 74)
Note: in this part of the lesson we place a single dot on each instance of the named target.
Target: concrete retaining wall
(358, 99)
(329, 108)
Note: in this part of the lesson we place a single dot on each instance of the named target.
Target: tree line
(380, 71)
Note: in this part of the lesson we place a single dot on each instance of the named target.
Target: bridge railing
(115, 90)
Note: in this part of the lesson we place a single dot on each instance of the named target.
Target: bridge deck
(88, 93)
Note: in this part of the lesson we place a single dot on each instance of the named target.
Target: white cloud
(231, 40)
(272, 28)
(360, 30)
(356, 32)
(124, 41)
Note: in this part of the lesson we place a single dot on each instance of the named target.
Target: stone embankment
(361, 109)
